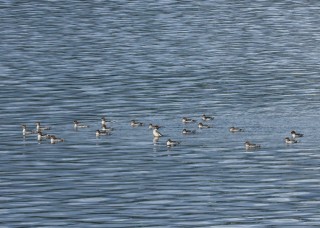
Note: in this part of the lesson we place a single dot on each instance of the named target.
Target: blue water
(250, 64)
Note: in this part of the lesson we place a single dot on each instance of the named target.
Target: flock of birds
(41, 135)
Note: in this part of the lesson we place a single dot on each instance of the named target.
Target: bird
(249, 145)
(187, 120)
(156, 133)
(171, 143)
(290, 141)
(204, 117)
(99, 133)
(25, 131)
(104, 120)
(235, 129)
(188, 132)
(39, 128)
(41, 136)
(104, 128)
(296, 135)
(135, 123)
(77, 124)
(54, 139)
(201, 125)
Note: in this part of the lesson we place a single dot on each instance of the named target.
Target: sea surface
(250, 64)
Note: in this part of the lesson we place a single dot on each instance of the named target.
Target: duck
(187, 120)
(25, 131)
(104, 120)
(188, 132)
(290, 141)
(104, 128)
(204, 117)
(54, 139)
(294, 134)
(156, 133)
(135, 123)
(171, 143)
(39, 128)
(77, 124)
(250, 145)
(201, 125)
(99, 133)
(41, 136)
(235, 129)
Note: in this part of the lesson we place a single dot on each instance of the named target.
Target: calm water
(251, 64)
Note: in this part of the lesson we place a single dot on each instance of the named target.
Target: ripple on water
(252, 65)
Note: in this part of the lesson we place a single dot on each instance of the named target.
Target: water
(250, 64)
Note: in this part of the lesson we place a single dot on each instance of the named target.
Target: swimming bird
(206, 118)
(104, 121)
(187, 120)
(104, 128)
(296, 135)
(201, 125)
(171, 143)
(41, 136)
(235, 129)
(54, 139)
(156, 133)
(76, 124)
(290, 141)
(25, 131)
(249, 145)
(39, 128)
(99, 133)
(188, 132)
(135, 123)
